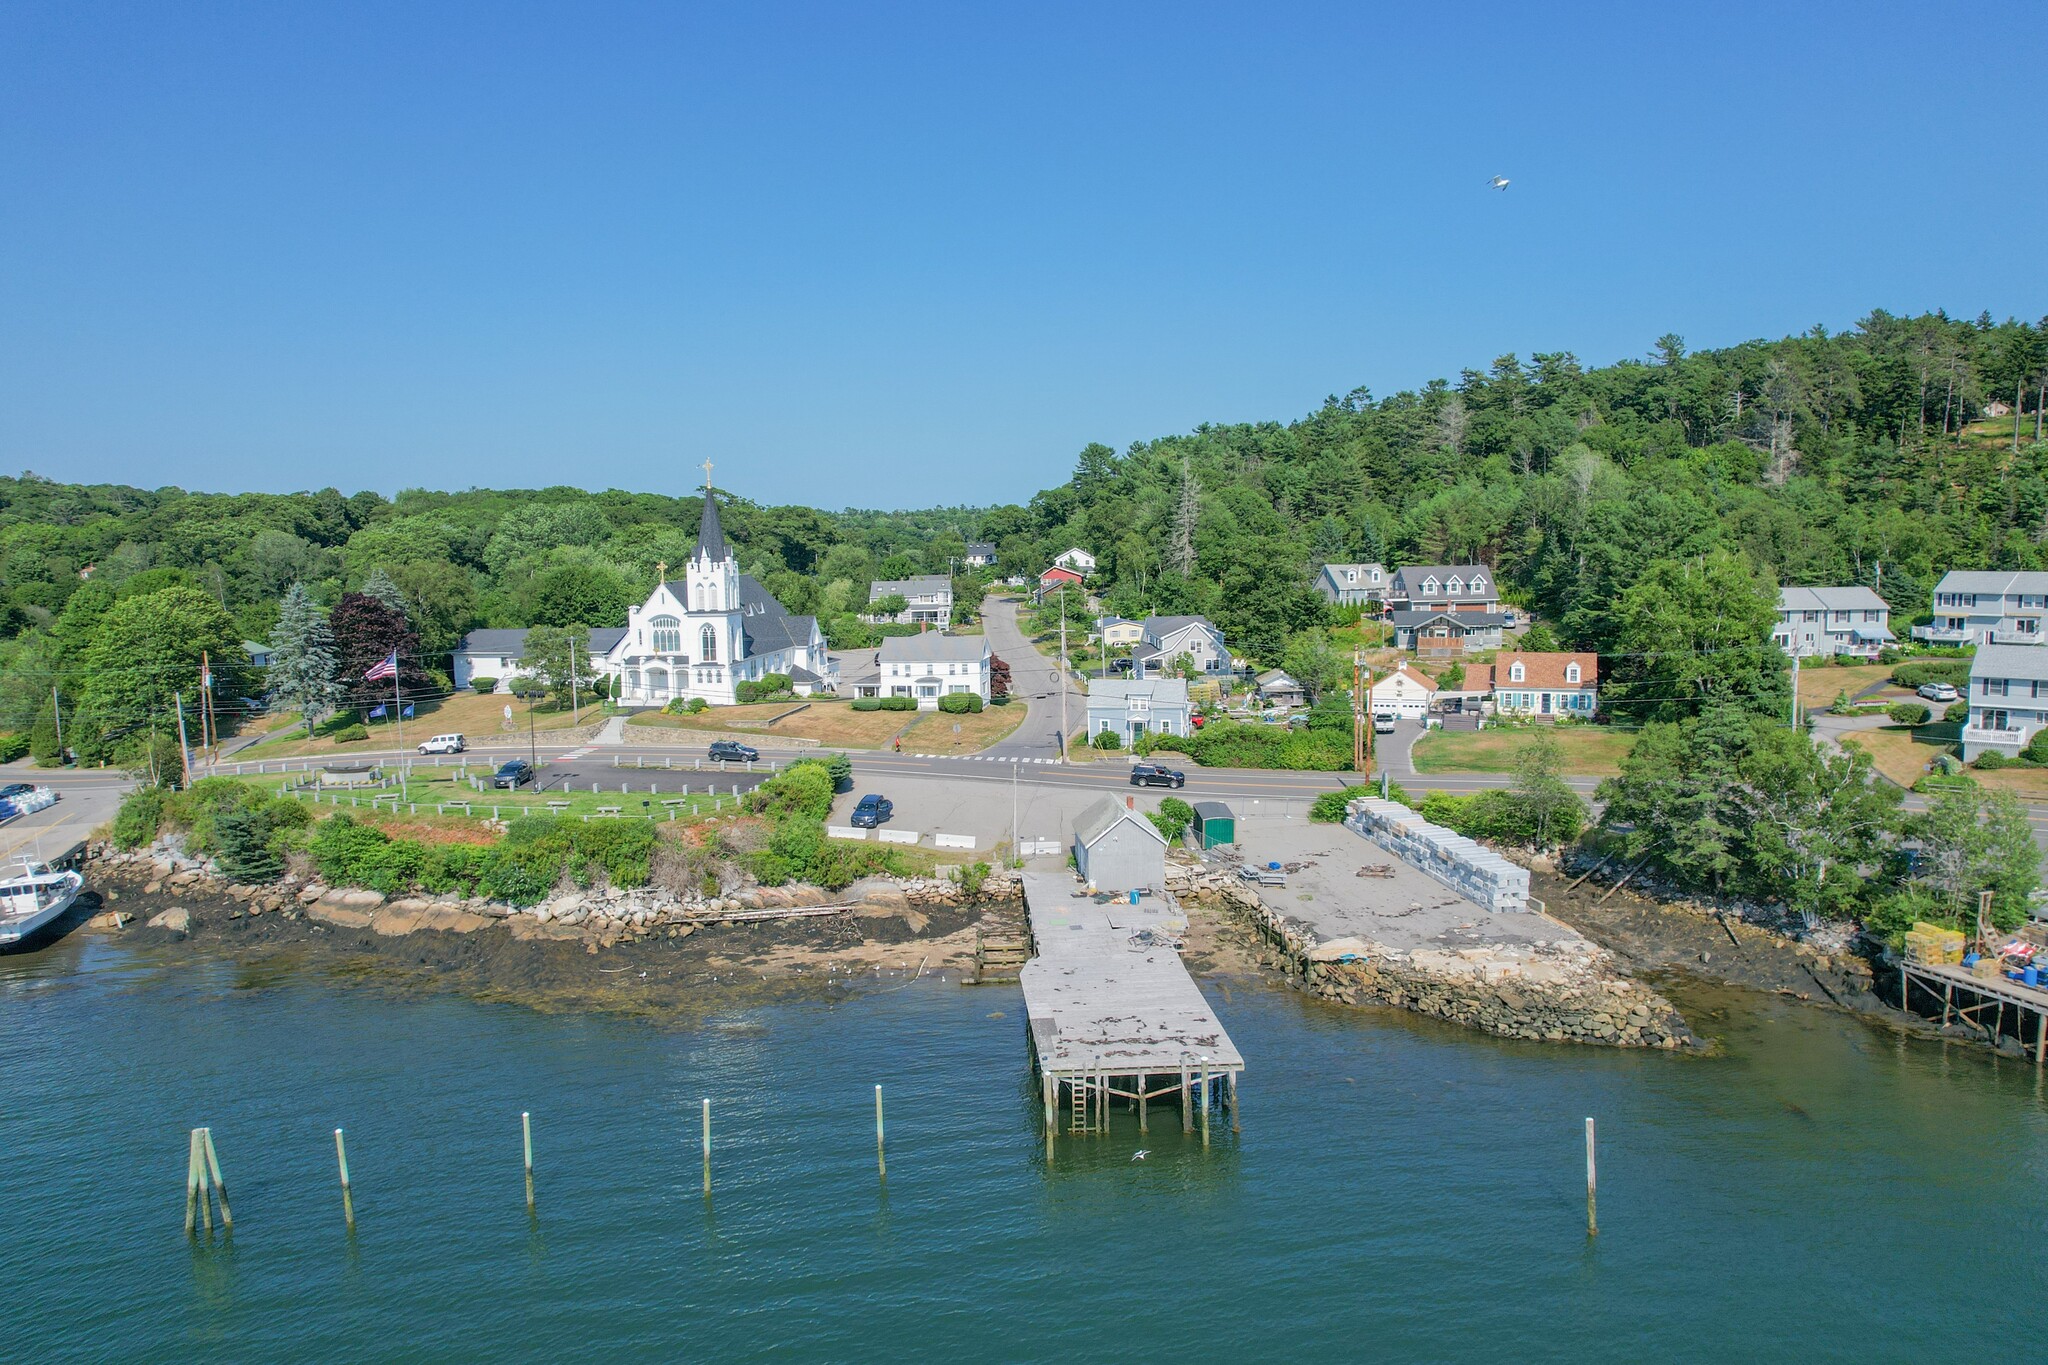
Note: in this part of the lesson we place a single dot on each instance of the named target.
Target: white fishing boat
(32, 898)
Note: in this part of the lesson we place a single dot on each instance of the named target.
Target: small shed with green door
(1214, 824)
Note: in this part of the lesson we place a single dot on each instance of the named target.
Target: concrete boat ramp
(1114, 1014)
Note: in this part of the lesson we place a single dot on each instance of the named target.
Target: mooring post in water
(526, 1140)
(348, 1198)
(220, 1186)
(195, 1187)
(881, 1161)
(1233, 1101)
(1205, 1106)
(707, 1148)
(1592, 1218)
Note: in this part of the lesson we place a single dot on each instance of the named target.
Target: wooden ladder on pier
(1083, 1099)
(999, 955)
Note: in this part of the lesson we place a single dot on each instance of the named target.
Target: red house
(1055, 578)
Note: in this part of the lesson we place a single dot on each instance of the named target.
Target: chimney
(1130, 803)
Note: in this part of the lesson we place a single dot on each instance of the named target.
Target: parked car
(445, 744)
(732, 751)
(871, 810)
(1383, 722)
(514, 774)
(1152, 775)
(1938, 691)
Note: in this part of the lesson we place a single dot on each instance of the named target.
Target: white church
(701, 637)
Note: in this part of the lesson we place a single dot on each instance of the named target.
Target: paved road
(86, 800)
(1033, 678)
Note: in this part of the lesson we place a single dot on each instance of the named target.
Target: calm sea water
(1400, 1191)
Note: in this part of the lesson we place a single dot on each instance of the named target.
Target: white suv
(444, 744)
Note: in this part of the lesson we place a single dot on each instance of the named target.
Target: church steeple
(710, 535)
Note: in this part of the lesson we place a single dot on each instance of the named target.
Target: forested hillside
(1859, 457)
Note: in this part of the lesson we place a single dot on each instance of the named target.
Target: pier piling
(881, 1158)
(526, 1141)
(348, 1198)
(707, 1148)
(1592, 1218)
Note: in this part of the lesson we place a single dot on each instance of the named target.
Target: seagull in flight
(1499, 182)
(1140, 1154)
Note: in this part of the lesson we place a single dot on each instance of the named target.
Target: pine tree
(302, 658)
(240, 839)
(380, 586)
(1185, 513)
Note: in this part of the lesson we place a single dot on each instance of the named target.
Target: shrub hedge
(1232, 744)
(12, 747)
(1954, 672)
(1909, 713)
(960, 703)
(350, 734)
(484, 686)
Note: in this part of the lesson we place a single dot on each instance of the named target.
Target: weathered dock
(1981, 996)
(1114, 1014)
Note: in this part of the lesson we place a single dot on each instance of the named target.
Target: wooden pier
(1981, 996)
(1114, 1015)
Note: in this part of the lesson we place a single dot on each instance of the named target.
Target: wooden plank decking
(1112, 1010)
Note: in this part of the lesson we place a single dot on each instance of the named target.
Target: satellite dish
(1499, 182)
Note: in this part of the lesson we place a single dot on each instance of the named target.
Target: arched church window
(668, 635)
(709, 653)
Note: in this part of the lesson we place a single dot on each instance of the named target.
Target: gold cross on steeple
(661, 571)
(707, 476)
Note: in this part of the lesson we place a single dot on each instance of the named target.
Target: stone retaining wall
(683, 737)
(1567, 991)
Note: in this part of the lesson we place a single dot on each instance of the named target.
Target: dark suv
(514, 774)
(732, 751)
(1152, 775)
(871, 810)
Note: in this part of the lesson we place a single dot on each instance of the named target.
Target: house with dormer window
(1350, 585)
(1545, 684)
(1443, 587)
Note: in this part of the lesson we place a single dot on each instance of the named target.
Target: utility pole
(1063, 674)
(184, 748)
(57, 714)
(1794, 721)
(1014, 855)
(575, 705)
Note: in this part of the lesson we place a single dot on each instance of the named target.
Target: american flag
(386, 667)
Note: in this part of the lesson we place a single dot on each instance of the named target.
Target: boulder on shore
(177, 919)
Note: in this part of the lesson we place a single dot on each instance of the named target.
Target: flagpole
(397, 700)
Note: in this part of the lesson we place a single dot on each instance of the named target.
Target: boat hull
(15, 928)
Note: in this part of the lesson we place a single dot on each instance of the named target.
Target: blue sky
(905, 254)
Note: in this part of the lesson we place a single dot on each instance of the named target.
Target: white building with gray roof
(931, 665)
(927, 600)
(699, 637)
(1134, 707)
(1978, 607)
(1824, 621)
(2008, 699)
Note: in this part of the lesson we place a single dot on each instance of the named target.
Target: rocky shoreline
(642, 949)
(1561, 990)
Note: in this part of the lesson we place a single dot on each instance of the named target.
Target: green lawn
(1588, 750)
(439, 792)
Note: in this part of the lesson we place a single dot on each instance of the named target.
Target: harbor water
(1820, 1189)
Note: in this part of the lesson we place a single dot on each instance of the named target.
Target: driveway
(1036, 680)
